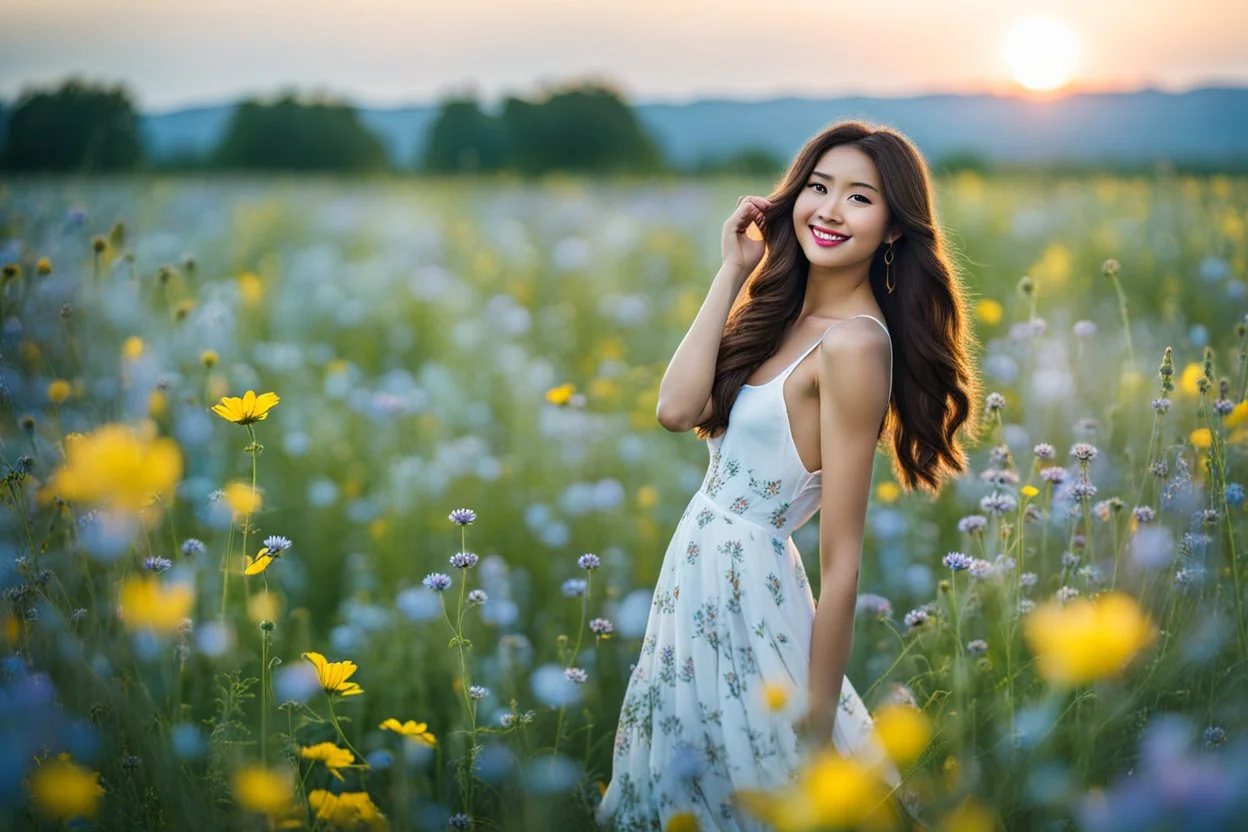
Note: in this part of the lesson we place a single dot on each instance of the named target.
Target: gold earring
(888, 260)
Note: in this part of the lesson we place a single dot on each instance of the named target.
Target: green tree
(79, 126)
(463, 138)
(300, 135)
(585, 128)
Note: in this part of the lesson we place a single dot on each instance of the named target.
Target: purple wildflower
(463, 516)
(477, 596)
(588, 562)
(994, 402)
(1044, 451)
(973, 524)
(576, 674)
(463, 560)
(192, 547)
(976, 646)
(957, 561)
(1083, 451)
(276, 544)
(916, 618)
(478, 692)
(574, 587)
(157, 564)
(437, 581)
(601, 626)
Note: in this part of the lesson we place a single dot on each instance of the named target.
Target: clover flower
(1214, 736)
(1028, 579)
(157, 564)
(576, 674)
(1143, 514)
(1053, 474)
(477, 596)
(463, 516)
(876, 605)
(994, 402)
(1082, 490)
(980, 568)
(460, 821)
(574, 587)
(1025, 605)
(588, 562)
(1161, 405)
(478, 692)
(1044, 451)
(1069, 560)
(1066, 593)
(192, 547)
(976, 646)
(1234, 494)
(601, 626)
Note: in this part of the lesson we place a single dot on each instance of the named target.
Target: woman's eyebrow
(851, 184)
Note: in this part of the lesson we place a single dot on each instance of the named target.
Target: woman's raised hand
(740, 250)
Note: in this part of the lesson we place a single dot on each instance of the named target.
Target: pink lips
(826, 243)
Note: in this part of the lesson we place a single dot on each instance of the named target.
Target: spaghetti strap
(811, 348)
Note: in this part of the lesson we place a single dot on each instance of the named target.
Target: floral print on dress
(765, 488)
(692, 552)
(739, 505)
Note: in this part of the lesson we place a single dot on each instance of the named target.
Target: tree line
(582, 128)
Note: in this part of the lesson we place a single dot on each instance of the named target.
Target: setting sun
(1041, 53)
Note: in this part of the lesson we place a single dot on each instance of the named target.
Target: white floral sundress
(732, 610)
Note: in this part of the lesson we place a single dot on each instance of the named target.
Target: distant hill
(1207, 125)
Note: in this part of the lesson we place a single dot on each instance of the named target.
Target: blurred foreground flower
(62, 790)
(1084, 640)
(903, 731)
(418, 731)
(560, 395)
(260, 562)
(247, 410)
(259, 789)
(333, 676)
(148, 603)
(115, 467)
(349, 810)
(831, 791)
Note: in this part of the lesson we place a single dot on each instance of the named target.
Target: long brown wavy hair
(935, 390)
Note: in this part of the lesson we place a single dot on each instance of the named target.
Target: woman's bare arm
(854, 368)
(685, 391)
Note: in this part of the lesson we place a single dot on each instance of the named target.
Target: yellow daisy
(331, 755)
(333, 676)
(247, 410)
(259, 563)
(413, 729)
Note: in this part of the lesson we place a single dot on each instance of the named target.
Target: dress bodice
(755, 471)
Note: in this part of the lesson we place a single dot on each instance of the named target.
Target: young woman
(852, 329)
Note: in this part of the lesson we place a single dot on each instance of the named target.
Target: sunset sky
(173, 53)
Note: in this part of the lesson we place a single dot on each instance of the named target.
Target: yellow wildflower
(349, 810)
(887, 492)
(259, 789)
(903, 731)
(412, 729)
(647, 496)
(132, 348)
(775, 695)
(241, 499)
(331, 755)
(259, 563)
(146, 603)
(1086, 640)
(43, 266)
(58, 391)
(682, 822)
(117, 468)
(560, 395)
(250, 288)
(989, 311)
(333, 676)
(247, 410)
(1029, 491)
(1201, 438)
(209, 358)
(1187, 381)
(62, 790)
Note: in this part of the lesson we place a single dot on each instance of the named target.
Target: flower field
(338, 505)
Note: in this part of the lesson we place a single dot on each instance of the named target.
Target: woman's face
(840, 217)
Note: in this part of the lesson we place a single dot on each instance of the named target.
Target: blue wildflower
(958, 561)
(1234, 494)
(192, 547)
(437, 581)
(588, 562)
(463, 516)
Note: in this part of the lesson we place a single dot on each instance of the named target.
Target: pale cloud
(174, 53)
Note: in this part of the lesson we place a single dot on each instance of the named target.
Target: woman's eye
(817, 185)
(864, 199)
